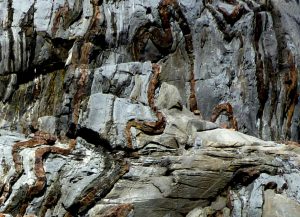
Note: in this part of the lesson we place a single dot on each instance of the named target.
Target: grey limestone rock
(149, 108)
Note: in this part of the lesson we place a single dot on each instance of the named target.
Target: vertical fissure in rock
(262, 89)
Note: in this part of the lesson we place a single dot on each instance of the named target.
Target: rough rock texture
(53, 54)
(119, 108)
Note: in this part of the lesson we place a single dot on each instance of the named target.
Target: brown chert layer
(81, 51)
(235, 15)
(40, 182)
(80, 59)
(40, 138)
(121, 210)
(225, 20)
(39, 167)
(227, 109)
(247, 54)
(99, 189)
(163, 39)
(153, 84)
(291, 81)
(150, 128)
(59, 16)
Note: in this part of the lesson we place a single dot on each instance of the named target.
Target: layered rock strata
(118, 108)
(242, 53)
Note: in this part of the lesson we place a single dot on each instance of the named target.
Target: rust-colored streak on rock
(234, 16)
(39, 167)
(180, 18)
(163, 39)
(262, 85)
(96, 27)
(192, 98)
(121, 210)
(79, 95)
(85, 52)
(96, 16)
(150, 128)
(120, 167)
(82, 81)
(40, 138)
(60, 14)
(166, 14)
(88, 198)
(290, 143)
(227, 18)
(128, 134)
(39, 171)
(227, 109)
(139, 42)
(152, 86)
(68, 215)
(291, 81)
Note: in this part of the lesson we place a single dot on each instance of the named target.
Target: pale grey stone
(47, 124)
(279, 205)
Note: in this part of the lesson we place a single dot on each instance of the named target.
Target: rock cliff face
(118, 108)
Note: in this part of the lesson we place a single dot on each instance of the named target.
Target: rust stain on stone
(121, 210)
(60, 14)
(40, 138)
(95, 27)
(163, 39)
(235, 15)
(152, 86)
(150, 128)
(291, 143)
(261, 73)
(89, 198)
(291, 81)
(39, 167)
(39, 171)
(82, 80)
(192, 98)
(227, 109)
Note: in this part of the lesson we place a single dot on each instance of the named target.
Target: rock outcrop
(200, 171)
(149, 108)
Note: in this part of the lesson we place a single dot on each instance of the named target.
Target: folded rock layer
(149, 108)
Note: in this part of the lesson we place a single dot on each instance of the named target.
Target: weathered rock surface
(240, 172)
(118, 108)
(245, 53)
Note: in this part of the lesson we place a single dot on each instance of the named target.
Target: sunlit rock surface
(149, 108)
